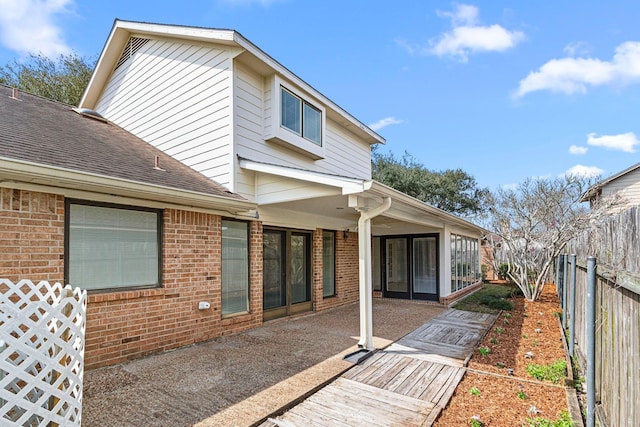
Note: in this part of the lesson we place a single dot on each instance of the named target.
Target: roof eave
(12, 170)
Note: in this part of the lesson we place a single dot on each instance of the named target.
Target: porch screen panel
(235, 267)
(112, 247)
(452, 244)
(424, 265)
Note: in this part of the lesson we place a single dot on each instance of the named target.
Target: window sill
(296, 143)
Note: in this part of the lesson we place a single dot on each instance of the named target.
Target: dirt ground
(528, 334)
(236, 380)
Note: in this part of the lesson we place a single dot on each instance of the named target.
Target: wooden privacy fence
(617, 342)
(42, 329)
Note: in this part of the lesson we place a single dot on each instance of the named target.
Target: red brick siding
(31, 236)
(131, 324)
(347, 285)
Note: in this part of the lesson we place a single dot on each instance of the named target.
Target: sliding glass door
(286, 273)
(411, 267)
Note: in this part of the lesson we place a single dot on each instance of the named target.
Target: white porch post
(365, 283)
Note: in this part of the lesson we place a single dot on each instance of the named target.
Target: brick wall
(347, 285)
(31, 236)
(131, 324)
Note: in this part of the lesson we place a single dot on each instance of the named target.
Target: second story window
(300, 117)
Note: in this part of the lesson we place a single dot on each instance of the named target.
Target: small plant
(484, 350)
(524, 336)
(475, 421)
(534, 343)
(500, 365)
(474, 391)
(564, 421)
(499, 330)
(507, 315)
(553, 372)
(494, 340)
(522, 395)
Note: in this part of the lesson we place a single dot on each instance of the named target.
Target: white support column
(365, 282)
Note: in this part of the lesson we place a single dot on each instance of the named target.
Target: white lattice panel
(42, 330)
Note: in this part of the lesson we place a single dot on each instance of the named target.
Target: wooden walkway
(407, 384)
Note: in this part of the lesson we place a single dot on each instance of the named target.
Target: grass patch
(490, 298)
(554, 372)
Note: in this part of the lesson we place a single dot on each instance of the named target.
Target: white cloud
(467, 37)
(28, 26)
(623, 142)
(584, 171)
(575, 75)
(577, 48)
(387, 121)
(575, 149)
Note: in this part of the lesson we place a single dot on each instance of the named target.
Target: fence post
(572, 305)
(565, 290)
(558, 274)
(591, 341)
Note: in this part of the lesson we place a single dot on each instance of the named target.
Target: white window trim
(283, 136)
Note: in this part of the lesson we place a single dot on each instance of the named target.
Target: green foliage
(474, 391)
(563, 421)
(484, 350)
(494, 340)
(452, 190)
(484, 269)
(522, 395)
(554, 372)
(502, 270)
(63, 79)
(507, 315)
(499, 330)
(475, 422)
(483, 301)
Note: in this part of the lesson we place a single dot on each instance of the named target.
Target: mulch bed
(500, 397)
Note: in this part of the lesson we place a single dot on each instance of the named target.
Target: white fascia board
(348, 185)
(120, 33)
(32, 173)
(423, 208)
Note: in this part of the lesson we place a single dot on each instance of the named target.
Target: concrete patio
(239, 380)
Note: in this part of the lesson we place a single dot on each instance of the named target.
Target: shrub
(502, 270)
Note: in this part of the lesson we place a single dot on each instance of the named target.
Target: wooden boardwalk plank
(409, 383)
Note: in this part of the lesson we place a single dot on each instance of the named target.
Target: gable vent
(133, 45)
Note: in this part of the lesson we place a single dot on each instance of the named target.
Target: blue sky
(504, 90)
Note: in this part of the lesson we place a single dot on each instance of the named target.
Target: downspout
(366, 289)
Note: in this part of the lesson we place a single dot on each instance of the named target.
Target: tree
(63, 79)
(534, 223)
(452, 190)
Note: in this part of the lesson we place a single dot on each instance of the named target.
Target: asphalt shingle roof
(47, 132)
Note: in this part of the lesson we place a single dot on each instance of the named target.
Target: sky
(504, 90)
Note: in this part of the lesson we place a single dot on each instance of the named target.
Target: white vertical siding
(345, 154)
(177, 97)
(628, 186)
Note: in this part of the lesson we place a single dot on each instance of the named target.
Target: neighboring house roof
(122, 30)
(35, 131)
(595, 189)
